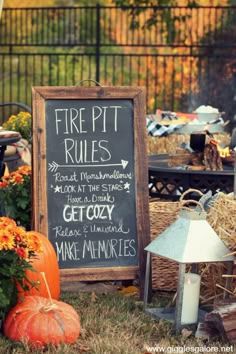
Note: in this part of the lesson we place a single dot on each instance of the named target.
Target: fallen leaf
(128, 291)
(186, 333)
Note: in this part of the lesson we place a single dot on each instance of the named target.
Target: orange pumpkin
(47, 263)
(39, 321)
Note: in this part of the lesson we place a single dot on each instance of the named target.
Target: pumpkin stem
(48, 308)
(47, 287)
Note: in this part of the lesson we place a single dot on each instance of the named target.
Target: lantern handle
(190, 190)
(190, 201)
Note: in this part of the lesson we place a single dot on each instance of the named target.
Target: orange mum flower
(22, 252)
(19, 238)
(6, 177)
(17, 178)
(3, 184)
(7, 241)
(25, 170)
(19, 234)
(6, 221)
(34, 243)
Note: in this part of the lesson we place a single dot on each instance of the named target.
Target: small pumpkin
(45, 262)
(38, 321)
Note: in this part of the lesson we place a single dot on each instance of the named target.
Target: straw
(235, 173)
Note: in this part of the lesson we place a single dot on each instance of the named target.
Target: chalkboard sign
(90, 179)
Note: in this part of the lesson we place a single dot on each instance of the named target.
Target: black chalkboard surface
(90, 183)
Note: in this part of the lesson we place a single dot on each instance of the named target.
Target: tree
(136, 7)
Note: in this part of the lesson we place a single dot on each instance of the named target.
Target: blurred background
(183, 52)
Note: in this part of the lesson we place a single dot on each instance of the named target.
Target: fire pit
(168, 180)
(203, 153)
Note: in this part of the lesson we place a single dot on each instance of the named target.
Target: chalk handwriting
(65, 178)
(85, 176)
(87, 212)
(107, 229)
(99, 249)
(91, 176)
(72, 120)
(82, 151)
(112, 248)
(66, 232)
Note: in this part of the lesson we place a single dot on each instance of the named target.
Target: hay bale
(168, 144)
(222, 218)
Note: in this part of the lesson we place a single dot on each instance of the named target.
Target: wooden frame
(40, 96)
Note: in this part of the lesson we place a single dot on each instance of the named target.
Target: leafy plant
(46, 263)
(15, 195)
(17, 247)
(21, 123)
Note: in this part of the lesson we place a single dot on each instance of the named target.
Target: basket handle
(190, 190)
(190, 201)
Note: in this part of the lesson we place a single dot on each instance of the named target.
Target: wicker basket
(164, 271)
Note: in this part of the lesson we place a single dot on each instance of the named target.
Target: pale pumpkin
(45, 262)
(38, 321)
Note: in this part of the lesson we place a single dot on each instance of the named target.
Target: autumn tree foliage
(181, 51)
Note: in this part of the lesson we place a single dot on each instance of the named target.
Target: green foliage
(152, 2)
(16, 250)
(15, 195)
(7, 295)
(12, 270)
(165, 20)
(79, 2)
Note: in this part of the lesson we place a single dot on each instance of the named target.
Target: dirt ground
(99, 287)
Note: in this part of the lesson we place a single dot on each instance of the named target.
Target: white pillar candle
(190, 298)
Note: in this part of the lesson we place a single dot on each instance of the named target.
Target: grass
(115, 324)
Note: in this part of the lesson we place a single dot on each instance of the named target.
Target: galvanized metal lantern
(188, 240)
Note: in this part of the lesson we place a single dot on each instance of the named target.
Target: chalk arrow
(124, 163)
(53, 166)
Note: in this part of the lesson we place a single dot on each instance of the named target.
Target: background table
(170, 182)
(6, 139)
